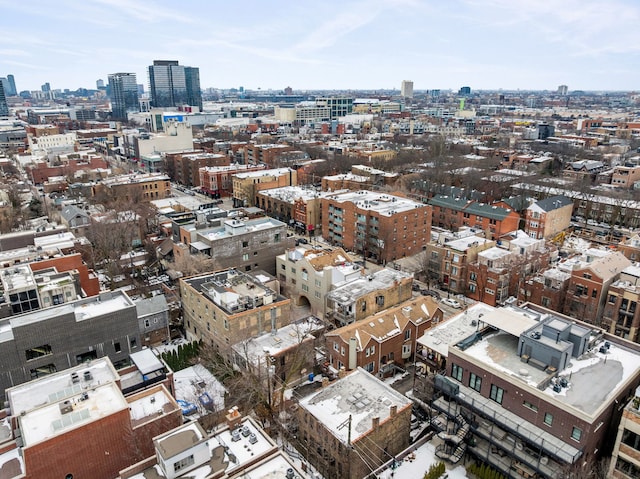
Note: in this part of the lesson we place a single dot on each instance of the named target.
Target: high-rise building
(4, 108)
(563, 90)
(12, 84)
(465, 90)
(173, 85)
(406, 89)
(100, 84)
(46, 87)
(124, 94)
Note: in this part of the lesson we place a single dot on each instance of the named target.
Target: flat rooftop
(352, 290)
(292, 193)
(359, 395)
(384, 204)
(594, 378)
(280, 340)
(50, 389)
(455, 329)
(85, 406)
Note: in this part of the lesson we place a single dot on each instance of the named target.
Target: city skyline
(493, 44)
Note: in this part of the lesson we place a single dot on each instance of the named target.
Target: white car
(451, 302)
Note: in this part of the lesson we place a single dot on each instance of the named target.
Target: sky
(362, 44)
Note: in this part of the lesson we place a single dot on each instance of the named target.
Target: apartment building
(498, 271)
(625, 176)
(135, 187)
(356, 417)
(217, 181)
(532, 392)
(78, 423)
(453, 213)
(366, 295)
(247, 185)
(547, 288)
(247, 245)
(546, 218)
(41, 342)
(625, 460)
(229, 306)
(184, 167)
(621, 315)
(379, 226)
(448, 261)
(297, 206)
(592, 273)
(308, 275)
(265, 154)
(345, 181)
(384, 341)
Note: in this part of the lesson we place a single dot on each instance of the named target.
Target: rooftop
(358, 395)
(384, 204)
(383, 279)
(455, 329)
(293, 193)
(261, 173)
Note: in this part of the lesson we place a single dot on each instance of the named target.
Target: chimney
(393, 410)
(233, 417)
(375, 422)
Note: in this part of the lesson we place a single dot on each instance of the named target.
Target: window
(276, 238)
(341, 350)
(38, 352)
(628, 468)
(546, 302)
(305, 287)
(531, 406)
(475, 382)
(631, 439)
(317, 294)
(117, 347)
(380, 300)
(182, 463)
(496, 393)
(456, 372)
(407, 334)
(473, 276)
(245, 244)
(146, 323)
(133, 342)
(318, 283)
(369, 367)
(305, 274)
(245, 257)
(594, 293)
(41, 371)
(226, 324)
(364, 306)
(576, 433)
(336, 347)
(406, 350)
(548, 418)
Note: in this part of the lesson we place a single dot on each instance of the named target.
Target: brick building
(379, 226)
(448, 260)
(547, 288)
(297, 206)
(268, 154)
(184, 167)
(247, 245)
(532, 392)
(345, 181)
(217, 181)
(454, 213)
(383, 340)
(247, 185)
(135, 187)
(227, 307)
(40, 172)
(621, 315)
(78, 423)
(354, 418)
(363, 296)
(625, 460)
(592, 273)
(546, 218)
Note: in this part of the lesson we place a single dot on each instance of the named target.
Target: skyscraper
(124, 94)
(4, 108)
(12, 84)
(174, 85)
(406, 89)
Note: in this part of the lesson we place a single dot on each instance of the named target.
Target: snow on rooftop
(148, 406)
(11, 463)
(359, 395)
(190, 383)
(49, 421)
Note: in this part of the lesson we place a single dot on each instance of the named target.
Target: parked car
(428, 292)
(303, 241)
(415, 287)
(451, 302)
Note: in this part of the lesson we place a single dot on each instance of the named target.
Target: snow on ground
(415, 468)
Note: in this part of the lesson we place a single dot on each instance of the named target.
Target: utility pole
(347, 423)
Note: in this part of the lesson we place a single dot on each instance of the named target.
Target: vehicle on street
(451, 302)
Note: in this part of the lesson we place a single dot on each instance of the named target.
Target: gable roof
(389, 323)
(71, 211)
